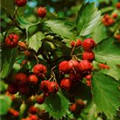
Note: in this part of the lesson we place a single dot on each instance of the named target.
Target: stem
(36, 58)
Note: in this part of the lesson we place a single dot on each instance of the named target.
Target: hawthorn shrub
(60, 68)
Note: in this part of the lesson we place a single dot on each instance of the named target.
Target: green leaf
(5, 104)
(57, 105)
(90, 112)
(113, 72)
(3, 86)
(8, 5)
(59, 27)
(106, 94)
(8, 59)
(35, 41)
(87, 19)
(108, 52)
(99, 36)
(23, 22)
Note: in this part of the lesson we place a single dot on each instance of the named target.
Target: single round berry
(20, 3)
(118, 5)
(65, 67)
(88, 83)
(12, 40)
(41, 12)
(88, 44)
(80, 103)
(20, 78)
(111, 21)
(40, 70)
(22, 45)
(66, 83)
(12, 88)
(107, 16)
(27, 53)
(78, 42)
(28, 118)
(88, 77)
(85, 65)
(73, 107)
(44, 86)
(24, 89)
(53, 87)
(75, 77)
(33, 110)
(72, 43)
(33, 117)
(115, 15)
(40, 99)
(88, 55)
(32, 79)
(117, 36)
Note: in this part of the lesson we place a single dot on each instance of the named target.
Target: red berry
(33, 110)
(13, 112)
(39, 70)
(73, 107)
(66, 83)
(44, 86)
(24, 89)
(65, 67)
(53, 87)
(22, 45)
(72, 43)
(103, 66)
(88, 82)
(73, 64)
(40, 98)
(32, 79)
(106, 16)
(88, 55)
(12, 40)
(118, 5)
(20, 3)
(27, 53)
(34, 117)
(111, 21)
(75, 77)
(88, 77)
(20, 78)
(117, 36)
(88, 44)
(85, 65)
(78, 42)
(12, 88)
(80, 103)
(115, 15)
(28, 118)
(41, 12)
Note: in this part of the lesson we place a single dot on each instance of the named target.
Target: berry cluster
(77, 106)
(24, 83)
(108, 20)
(78, 69)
